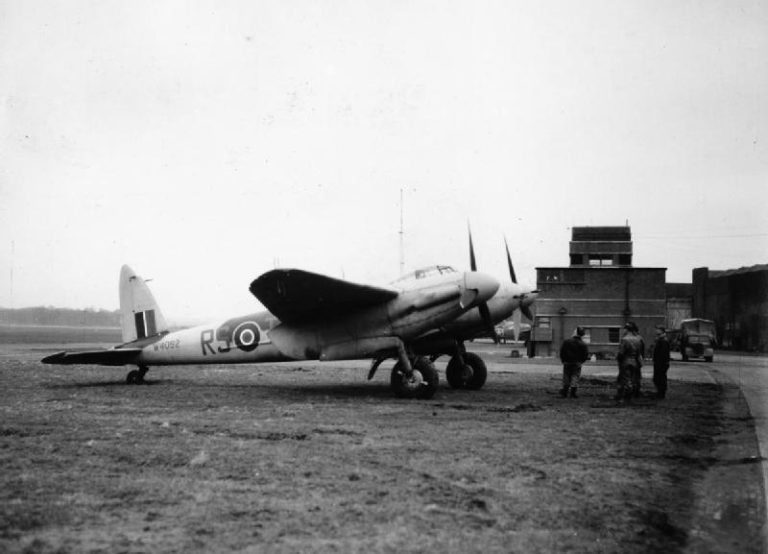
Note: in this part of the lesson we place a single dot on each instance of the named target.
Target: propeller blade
(485, 314)
(526, 311)
(509, 263)
(472, 264)
(517, 319)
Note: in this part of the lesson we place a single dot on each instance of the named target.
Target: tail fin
(140, 316)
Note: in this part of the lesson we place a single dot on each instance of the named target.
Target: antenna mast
(402, 251)
(13, 259)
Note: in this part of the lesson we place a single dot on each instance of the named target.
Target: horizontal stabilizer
(117, 356)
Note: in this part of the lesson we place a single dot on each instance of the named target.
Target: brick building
(600, 290)
(679, 303)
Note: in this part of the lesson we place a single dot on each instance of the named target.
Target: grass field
(313, 458)
(59, 335)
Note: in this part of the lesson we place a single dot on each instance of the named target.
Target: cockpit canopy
(424, 273)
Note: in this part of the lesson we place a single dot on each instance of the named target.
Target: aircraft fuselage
(261, 337)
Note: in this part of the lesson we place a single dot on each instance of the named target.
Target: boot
(573, 392)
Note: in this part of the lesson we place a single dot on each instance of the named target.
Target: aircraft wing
(115, 356)
(296, 296)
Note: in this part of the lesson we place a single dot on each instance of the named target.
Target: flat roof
(603, 267)
(713, 273)
(598, 234)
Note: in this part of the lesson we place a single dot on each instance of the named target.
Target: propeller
(523, 308)
(517, 320)
(485, 313)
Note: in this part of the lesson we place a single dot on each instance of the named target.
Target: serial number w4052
(168, 344)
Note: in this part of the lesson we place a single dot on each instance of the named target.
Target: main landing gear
(136, 376)
(466, 371)
(420, 382)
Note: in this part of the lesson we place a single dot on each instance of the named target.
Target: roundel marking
(247, 336)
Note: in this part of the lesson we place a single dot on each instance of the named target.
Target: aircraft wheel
(469, 373)
(422, 383)
(457, 373)
(133, 377)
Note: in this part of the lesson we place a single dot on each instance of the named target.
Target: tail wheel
(421, 384)
(467, 373)
(136, 376)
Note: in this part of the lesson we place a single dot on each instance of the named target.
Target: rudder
(140, 316)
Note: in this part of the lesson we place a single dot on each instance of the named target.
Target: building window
(600, 260)
(543, 322)
(567, 276)
(587, 338)
(614, 335)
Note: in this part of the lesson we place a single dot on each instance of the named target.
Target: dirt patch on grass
(311, 457)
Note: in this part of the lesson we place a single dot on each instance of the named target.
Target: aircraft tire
(422, 385)
(453, 373)
(133, 377)
(479, 371)
(476, 378)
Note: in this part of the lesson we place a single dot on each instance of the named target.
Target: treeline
(60, 316)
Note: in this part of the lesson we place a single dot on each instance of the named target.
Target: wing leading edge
(296, 296)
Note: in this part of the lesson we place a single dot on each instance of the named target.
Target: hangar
(737, 301)
(600, 290)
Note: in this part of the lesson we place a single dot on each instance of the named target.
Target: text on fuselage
(245, 335)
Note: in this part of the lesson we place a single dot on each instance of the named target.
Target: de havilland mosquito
(310, 317)
(416, 319)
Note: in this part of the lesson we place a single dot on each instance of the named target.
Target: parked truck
(697, 339)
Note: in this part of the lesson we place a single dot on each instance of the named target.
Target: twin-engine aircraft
(309, 317)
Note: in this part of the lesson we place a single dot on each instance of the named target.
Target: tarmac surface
(747, 371)
(750, 373)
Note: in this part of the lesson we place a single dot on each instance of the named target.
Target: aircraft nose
(530, 297)
(480, 286)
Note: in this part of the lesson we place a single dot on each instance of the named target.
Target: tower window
(600, 260)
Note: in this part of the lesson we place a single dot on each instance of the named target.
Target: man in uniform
(630, 358)
(660, 362)
(573, 353)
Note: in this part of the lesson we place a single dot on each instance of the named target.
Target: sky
(204, 143)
